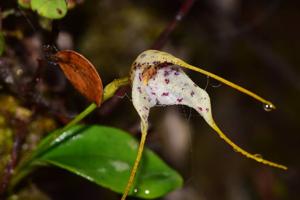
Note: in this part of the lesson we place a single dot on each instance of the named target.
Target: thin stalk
(144, 127)
(81, 115)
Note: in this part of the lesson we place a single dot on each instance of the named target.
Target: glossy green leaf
(104, 155)
(2, 43)
(53, 9)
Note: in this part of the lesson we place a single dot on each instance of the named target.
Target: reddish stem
(164, 36)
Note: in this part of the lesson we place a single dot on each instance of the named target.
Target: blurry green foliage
(11, 109)
(11, 112)
(5, 144)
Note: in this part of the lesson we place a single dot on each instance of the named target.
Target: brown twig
(164, 36)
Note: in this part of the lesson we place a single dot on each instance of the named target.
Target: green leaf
(53, 9)
(105, 155)
(2, 43)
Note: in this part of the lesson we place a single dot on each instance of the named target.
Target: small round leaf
(53, 9)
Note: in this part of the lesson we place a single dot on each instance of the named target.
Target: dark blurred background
(253, 43)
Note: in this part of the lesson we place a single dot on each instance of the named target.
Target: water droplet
(258, 156)
(135, 190)
(268, 107)
(147, 192)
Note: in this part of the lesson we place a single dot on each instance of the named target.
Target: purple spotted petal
(169, 86)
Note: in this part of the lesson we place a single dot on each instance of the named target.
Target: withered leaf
(81, 73)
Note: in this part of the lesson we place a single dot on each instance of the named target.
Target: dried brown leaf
(81, 73)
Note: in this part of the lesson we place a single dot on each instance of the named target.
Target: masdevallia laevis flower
(157, 79)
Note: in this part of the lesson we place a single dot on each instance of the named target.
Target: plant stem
(81, 115)
(111, 88)
(109, 91)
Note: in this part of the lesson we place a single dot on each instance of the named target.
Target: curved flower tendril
(157, 79)
(154, 57)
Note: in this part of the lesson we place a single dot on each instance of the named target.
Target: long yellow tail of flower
(242, 151)
(144, 128)
(270, 105)
(229, 83)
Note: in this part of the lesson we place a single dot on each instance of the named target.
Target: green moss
(6, 143)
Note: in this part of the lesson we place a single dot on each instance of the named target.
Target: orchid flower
(157, 79)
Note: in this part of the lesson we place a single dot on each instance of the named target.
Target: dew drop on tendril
(268, 107)
(258, 156)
